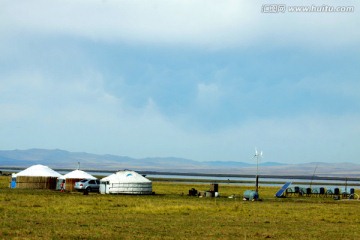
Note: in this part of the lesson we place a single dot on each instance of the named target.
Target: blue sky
(203, 80)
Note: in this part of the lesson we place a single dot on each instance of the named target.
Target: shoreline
(194, 174)
(246, 182)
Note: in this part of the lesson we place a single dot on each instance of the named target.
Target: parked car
(90, 185)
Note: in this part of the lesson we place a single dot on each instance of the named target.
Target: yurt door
(103, 187)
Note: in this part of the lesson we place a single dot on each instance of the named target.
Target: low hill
(61, 159)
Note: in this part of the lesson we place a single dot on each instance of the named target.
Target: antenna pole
(257, 170)
(257, 164)
(346, 185)
(78, 165)
(313, 175)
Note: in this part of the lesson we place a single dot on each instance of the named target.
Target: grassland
(170, 214)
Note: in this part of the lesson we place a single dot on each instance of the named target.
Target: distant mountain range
(61, 159)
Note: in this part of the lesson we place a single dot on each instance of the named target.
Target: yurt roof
(38, 171)
(112, 176)
(78, 174)
(126, 176)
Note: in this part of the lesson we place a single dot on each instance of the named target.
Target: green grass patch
(171, 214)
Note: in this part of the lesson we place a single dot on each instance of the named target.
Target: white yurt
(37, 177)
(125, 182)
(71, 178)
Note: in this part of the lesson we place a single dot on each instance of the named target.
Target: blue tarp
(13, 183)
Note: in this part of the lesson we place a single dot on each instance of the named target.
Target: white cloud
(208, 94)
(214, 24)
(58, 99)
(154, 21)
(330, 84)
(82, 116)
(297, 139)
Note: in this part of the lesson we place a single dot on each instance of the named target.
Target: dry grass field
(171, 214)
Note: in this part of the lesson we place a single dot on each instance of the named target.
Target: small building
(125, 182)
(35, 177)
(71, 178)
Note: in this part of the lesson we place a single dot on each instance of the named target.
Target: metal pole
(312, 178)
(257, 173)
(257, 183)
(346, 185)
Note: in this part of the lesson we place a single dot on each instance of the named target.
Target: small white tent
(125, 182)
(37, 176)
(72, 177)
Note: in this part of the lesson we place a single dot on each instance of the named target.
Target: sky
(205, 80)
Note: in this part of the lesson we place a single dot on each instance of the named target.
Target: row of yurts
(43, 177)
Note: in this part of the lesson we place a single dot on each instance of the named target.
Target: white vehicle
(89, 185)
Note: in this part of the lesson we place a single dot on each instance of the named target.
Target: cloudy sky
(203, 79)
